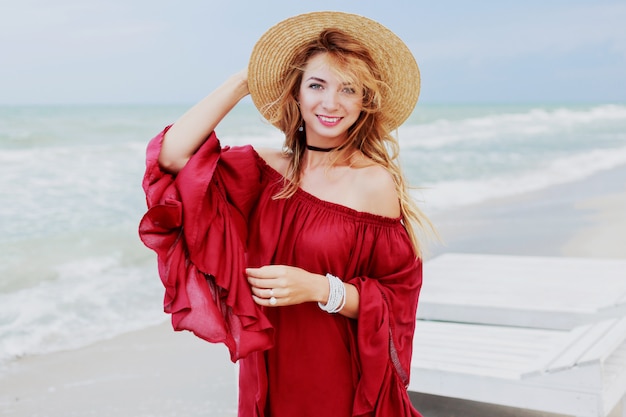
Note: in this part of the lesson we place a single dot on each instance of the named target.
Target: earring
(301, 128)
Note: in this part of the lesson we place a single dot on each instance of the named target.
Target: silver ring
(273, 301)
(271, 292)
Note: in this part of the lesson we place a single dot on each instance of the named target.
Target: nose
(330, 100)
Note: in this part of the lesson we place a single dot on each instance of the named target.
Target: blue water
(73, 270)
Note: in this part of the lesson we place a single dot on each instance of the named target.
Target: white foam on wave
(91, 299)
(53, 189)
(443, 132)
(454, 193)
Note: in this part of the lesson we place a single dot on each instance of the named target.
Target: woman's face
(328, 105)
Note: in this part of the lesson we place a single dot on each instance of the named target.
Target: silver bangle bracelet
(336, 295)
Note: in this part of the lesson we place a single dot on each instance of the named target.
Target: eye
(315, 86)
(348, 90)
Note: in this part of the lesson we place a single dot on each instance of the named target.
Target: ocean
(72, 268)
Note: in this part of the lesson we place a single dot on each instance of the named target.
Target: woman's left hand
(281, 285)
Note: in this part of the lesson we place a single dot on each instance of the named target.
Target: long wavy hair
(354, 65)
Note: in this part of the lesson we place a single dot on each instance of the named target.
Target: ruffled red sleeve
(198, 232)
(386, 324)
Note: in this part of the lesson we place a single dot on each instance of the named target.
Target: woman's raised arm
(194, 127)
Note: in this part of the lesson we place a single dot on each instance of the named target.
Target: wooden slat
(606, 345)
(481, 350)
(551, 354)
(491, 289)
(570, 356)
(614, 366)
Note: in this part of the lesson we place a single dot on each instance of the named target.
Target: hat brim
(274, 51)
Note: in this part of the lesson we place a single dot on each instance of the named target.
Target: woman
(304, 261)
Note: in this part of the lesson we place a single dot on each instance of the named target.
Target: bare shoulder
(274, 158)
(378, 191)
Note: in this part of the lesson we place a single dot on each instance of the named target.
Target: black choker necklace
(316, 149)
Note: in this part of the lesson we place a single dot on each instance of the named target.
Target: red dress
(216, 217)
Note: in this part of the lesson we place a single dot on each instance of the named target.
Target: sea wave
(450, 194)
(83, 300)
(534, 122)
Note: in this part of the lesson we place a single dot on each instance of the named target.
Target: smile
(329, 121)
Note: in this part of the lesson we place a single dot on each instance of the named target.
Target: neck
(316, 149)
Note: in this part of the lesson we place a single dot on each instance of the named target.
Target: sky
(157, 51)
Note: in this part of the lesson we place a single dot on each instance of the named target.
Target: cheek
(355, 106)
(306, 103)
(303, 95)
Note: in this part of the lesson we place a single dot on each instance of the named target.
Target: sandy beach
(157, 372)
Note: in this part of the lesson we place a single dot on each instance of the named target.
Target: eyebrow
(321, 80)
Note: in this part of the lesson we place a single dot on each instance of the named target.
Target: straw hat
(275, 50)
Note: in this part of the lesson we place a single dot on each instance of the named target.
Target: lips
(329, 121)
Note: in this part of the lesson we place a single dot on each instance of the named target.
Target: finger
(263, 292)
(267, 271)
(266, 302)
(263, 283)
(257, 291)
(260, 273)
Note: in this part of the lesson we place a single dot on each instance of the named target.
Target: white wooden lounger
(538, 333)
(538, 292)
(579, 372)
